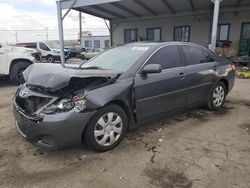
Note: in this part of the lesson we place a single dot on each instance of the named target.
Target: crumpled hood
(55, 76)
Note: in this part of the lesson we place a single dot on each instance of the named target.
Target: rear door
(161, 92)
(201, 73)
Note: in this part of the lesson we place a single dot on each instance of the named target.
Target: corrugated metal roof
(123, 9)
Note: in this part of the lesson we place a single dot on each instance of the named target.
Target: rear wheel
(16, 72)
(106, 129)
(50, 59)
(217, 96)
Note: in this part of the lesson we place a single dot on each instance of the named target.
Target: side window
(195, 55)
(208, 57)
(131, 35)
(97, 44)
(223, 32)
(168, 57)
(182, 33)
(88, 43)
(106, 42)
(154, 34)
(44, 47)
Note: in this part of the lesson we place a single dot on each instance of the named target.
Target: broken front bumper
(54, 131)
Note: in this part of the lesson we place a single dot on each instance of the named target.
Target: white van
(48, 50)
(14, 60)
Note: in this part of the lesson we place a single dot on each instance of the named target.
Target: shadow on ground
(5, 81)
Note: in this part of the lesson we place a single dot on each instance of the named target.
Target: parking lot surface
(195, 148)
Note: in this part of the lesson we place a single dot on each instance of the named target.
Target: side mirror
(151, 69)
(0, 46)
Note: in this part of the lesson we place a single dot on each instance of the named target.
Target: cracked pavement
(195, 148)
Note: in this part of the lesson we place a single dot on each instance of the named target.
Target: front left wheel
(106, 129)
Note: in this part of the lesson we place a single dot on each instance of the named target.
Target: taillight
(232, 66)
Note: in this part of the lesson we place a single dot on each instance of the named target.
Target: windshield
(53, 45)
(119, 58)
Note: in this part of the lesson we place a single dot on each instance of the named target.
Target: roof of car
(156, 44)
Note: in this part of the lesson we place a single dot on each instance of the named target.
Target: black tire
(211, 101)
(50, 59)
(89, 134)
(16, 71)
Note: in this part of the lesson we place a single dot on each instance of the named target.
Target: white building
(90, 42)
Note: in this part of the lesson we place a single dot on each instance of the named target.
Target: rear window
(195, 55)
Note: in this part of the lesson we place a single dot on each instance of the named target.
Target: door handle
(215, 68)
(182, 75)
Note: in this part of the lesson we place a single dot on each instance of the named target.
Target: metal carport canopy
(128, 10)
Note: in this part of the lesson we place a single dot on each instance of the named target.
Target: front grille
(31, 104)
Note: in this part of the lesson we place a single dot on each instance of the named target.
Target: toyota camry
(97, 102)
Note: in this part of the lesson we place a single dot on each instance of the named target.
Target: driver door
(164, 92)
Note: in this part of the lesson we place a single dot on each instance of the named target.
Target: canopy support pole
(60, 29)
(212, 46)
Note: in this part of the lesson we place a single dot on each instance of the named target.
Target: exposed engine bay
(60, 92)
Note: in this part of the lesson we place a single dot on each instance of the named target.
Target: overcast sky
(28, 20)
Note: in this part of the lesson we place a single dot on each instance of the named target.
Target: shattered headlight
(79, 103)
(65, 105)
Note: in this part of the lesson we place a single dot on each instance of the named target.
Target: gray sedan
(100, 100)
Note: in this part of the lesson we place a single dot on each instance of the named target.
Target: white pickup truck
(48, 50)
(14, 60)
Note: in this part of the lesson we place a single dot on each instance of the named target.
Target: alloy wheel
(218, 96)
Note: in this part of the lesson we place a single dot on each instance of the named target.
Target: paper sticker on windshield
(138, 48)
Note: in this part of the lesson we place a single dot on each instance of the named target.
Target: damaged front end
(37, 101)
(45, 111)
(57, 89)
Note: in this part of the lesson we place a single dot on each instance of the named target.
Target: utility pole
(16, 37)
(80, 28)
(47, 35)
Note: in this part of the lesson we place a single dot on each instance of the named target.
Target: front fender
(119, 90)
